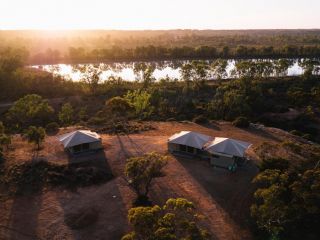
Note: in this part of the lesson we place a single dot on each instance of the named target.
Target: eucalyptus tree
(310, 66)
(90, 75)
(177, 219)
(281, 66)
(219, 68)
(144, 73)
(186, 72)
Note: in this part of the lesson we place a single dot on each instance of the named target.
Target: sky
(159, 14)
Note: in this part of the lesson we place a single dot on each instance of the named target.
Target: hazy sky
(159, 14)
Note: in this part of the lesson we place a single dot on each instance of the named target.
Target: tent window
(85, 146)
(199, 151)
(183, 148)
(190, 149)
(77, 148)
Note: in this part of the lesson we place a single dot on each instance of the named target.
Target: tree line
(154, 52)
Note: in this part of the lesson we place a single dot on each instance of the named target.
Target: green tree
(218, 68)
(36, 135)
(186, 72)
(177, 219)
(82, 114)
(287, 202)
(281, 66)
(145, 73)
(272, 214)
(201, 72)
(30, 110)
(119, 106)
(66, 114)
(141, 171)
(141, 101)
(306, 195)
(90, 75)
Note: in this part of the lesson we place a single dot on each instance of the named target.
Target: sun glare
(156, 14)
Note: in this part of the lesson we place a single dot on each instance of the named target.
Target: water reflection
(163, 69)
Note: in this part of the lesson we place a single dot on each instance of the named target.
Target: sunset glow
(156, 14)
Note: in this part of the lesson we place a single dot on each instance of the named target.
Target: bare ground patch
(223, 198)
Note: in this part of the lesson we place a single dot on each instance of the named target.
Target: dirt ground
(222, 197)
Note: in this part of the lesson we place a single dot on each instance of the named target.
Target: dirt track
(223, 198)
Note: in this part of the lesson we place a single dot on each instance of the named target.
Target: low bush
(31, 177)
(97, 121)
(291, 146)
(52, 128)
(274, 163)
(308, 137)
(200, 120)
(241, 122)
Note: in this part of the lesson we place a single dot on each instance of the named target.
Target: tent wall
(85, 147)
(172, 147)
(96, 145)
(177, 148)
(222, 161)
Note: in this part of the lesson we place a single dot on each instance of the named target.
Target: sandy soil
(223, 198)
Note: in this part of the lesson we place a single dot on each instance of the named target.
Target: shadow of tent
(111, 221)
(232, 191)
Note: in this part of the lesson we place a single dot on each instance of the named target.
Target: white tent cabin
(226, 152)
(81, 141)
(188, 142)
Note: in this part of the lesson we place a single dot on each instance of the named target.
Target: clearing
(222, 197)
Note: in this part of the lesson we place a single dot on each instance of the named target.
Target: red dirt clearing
(223, 198)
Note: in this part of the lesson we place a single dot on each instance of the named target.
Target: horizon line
(168, 29)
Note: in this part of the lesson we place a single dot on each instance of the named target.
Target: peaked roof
(78, 137)
(228, 146)
(191, 139)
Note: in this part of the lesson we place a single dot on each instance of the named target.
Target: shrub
(30, 110)
(307, 137)
(66, 114)
(177, 219)
(274, 163)
(119, 105)
(33, 176)
(141, 171)
(241, 122)
(291, 146)
(36, 135)
(296, 133)
(200, 119)
(52, 127)
(96, 121)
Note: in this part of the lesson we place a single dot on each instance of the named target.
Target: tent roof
(78, 137)
(228, 146)
(191, 139)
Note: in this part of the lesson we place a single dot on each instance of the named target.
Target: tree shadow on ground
(232, 191)
(22, 218)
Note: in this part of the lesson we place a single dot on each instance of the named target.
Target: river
(163, 69)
